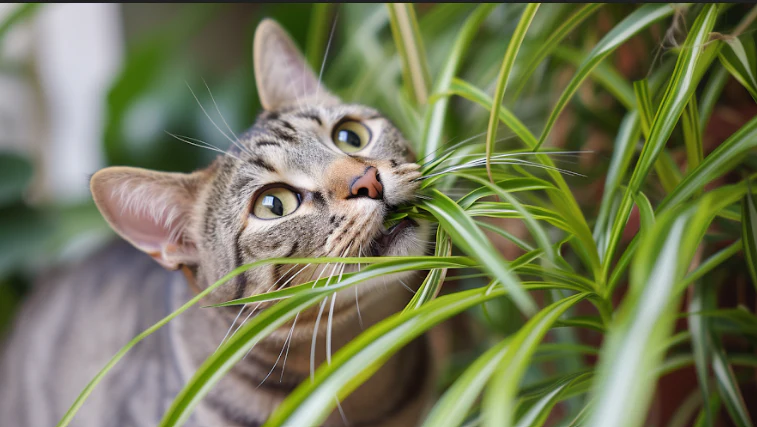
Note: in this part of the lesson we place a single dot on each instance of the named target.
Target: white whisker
(236, 141)
(406, 286)
(202, 144)
(208, 115)
(284, 365)
(325, 55)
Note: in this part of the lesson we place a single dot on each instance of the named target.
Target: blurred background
(84, 86)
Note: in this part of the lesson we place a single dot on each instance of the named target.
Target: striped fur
(201, 223)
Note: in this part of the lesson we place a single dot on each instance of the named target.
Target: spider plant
(500, 100)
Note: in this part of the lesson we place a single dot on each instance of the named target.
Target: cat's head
(314, 177)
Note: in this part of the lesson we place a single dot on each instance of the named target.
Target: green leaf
(643, 17)
(431, 286)
(539, 412)
(603, 73)
(739, 58)
(435, 115)
(562, 198)
(511, 185)
(383, 266)
(677, 95)
(409, 45)
(450, 410)
(710, 94)
(721, 161)
(545, 47)
(635, 343)
(728, 387)
(667, 170)
(622, 154)
(692, 135)
(713, 261)
(646, 212)
(471, 240)
(539, 234)
(749, 234)
(499, 399)
(711, 406)
(504, 75)
(700, 337)
(19, 14)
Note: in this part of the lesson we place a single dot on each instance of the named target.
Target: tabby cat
(313, 177)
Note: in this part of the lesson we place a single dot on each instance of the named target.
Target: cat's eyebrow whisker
(325, 55)
(202, 144)
(208, 115)
(236, 141)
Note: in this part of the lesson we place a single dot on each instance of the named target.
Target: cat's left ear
(282, 74)
(152, 210)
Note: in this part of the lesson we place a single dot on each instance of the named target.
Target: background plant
(597, 225)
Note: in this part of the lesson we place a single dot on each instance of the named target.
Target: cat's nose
(367, 185)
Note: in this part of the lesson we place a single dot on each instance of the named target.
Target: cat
(313, 177)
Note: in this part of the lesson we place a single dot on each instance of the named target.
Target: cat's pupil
(349, 137)
(274, 204)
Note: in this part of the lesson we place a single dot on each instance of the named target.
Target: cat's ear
(282, 75)
(151, 210)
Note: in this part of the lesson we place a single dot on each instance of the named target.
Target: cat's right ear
(151, 210)
(282, 74)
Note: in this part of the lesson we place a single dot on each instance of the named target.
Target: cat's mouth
(389, 236)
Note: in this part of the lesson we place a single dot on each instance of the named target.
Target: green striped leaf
(499, 399)
(471, 240)
(749, 234)
(643, 17)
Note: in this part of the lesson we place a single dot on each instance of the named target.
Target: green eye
(351, 136)
(275, 203)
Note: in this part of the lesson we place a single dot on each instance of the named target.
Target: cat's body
(45, 371)
(313, 178)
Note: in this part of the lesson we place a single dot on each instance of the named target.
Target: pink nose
(368, 185)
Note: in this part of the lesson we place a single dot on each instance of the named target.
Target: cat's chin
(402, 239)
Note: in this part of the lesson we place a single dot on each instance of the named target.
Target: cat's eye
(275, 203)
(351, 136)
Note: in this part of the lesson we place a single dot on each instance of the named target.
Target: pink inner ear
(148, 233)
(147, 213)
